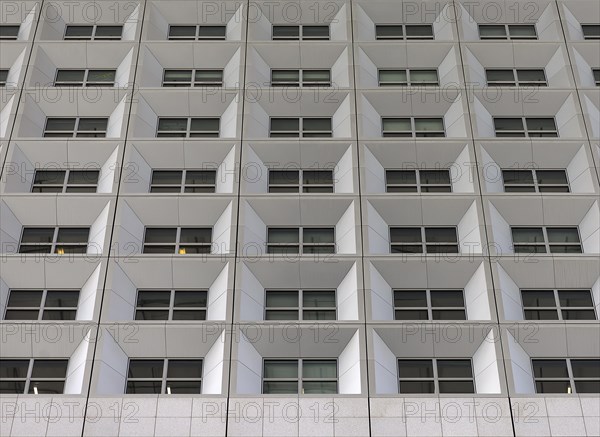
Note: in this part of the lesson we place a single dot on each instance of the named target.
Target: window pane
(281, 315)
(415, 368)
(500, 76)
(319, 387)
(178, 76)
(62, 298)
(196, 235)
(317, 177)
(101, 76)
(92, 124)
(201, 177)
(73, 235)
(550, 369)
(448, 315)
(521, 30)
(182, 31)
(281, 369)
(190, 298)
(447, 298)
(492, 30)
(25, 298)
(172, 124)
(315, 298)
(440, 235)
(319, 369)
(318, 235)
(591, 31)
(587, 386)
(396, 124)
(70, 75)
(108, 31)
(209, 75)
(405, 235)
(552, 386)
(184, 369)
(164, 177)
(585, 368)
(429, 124)
(315, 31)
(283, 235)
(49, 368)
(153, 298)
(579, 314)
(12, 387)
(456, 387)
(316, 76)
(541, 124)
(60, 124)
(551, 177)
(183, 387)
(517, 177)
(393, 76)
(454, 369)
(143, 387)
(575, 298)
(410, 298)
(280, 387)
(55, 177)
(286, 31)
(160, 235)
(403, 177)
(285, 124)
(418, 76)
(541, 315)
(531, 76)
(205, 124)
(434, 176)
(527, 235)
(81, 31)
(508, 124)
(46, 387)
(538, 298)
(284, 176)
(37, 235)
(83, 177)
(145, 369)
(389, 31)
(212, 31)
(316, 124)
(417, 387)
(285, 75)
(13, 368)
(563, 235)
(151, 315)
(9, 31)
(281, 299)
(419, 30)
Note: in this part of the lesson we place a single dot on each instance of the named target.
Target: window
(164, 376)
(423, 240)
(312, 127)
(303, 376)
(197, 32)
(8, 32)
(79, 127)
(507, 31)
(188, 127)
(413, 127)
(188, 78)
(183, 181)
(408, 78)
(546, 240)
(85, 78)
(3, 77)
(171, 305)
(178, 240)
(429, 305)
(57, 240)
(300, 305)
(558, 305)
(300, 181)
(418, 181)
(595, 71)
(435, 376)
(566, 375)
(293, 78)
(403, 31)
(535, 181)
(33, 376)
(65, 181)
(305, 32)
(95, 32)
(287, 241)
(534, 127)
(516, 77)
(591, 31)
(42, 305)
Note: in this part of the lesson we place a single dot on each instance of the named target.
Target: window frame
(413, 133)
(429, 307)
(404, 36)
(507, 34)
(164, 377)
(516, 82)
(300, 308)
(188, 133)
(197, 36)
(301, 244)
(409, 82)
(192, 82)
(300, 185)
(171, 309)
(55, 245)
(29, 379)
(65, 184)
(301, 82)
(301, 132)
(546, 243)
(536, 185)
(42, 308)
(570, 378)
(435, 378)
(301, 36)
(93, 36)
(177, 242)
(183, 185)
(423, 243)
(558, 308)
(419, 185)
(527, 133)
(11, 37)
(75, 133)
(300, 377)
(85, 81)
(592, 37)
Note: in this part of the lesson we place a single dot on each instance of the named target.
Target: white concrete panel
(347, 296)
(386, 372)
(485, 366)
(349, 367)
(213, 365)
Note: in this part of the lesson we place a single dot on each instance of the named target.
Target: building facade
(300, 218)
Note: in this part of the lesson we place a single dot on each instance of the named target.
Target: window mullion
(42, 304)
(54, 240)
(183, 176)
(177, 239)
(546, 242)
(436, 386)
(300, 304)
(66, 180)
(171, 304)
(29, 373)
(163, 384)
(429, 306)
(423, 241)
(570, 372)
